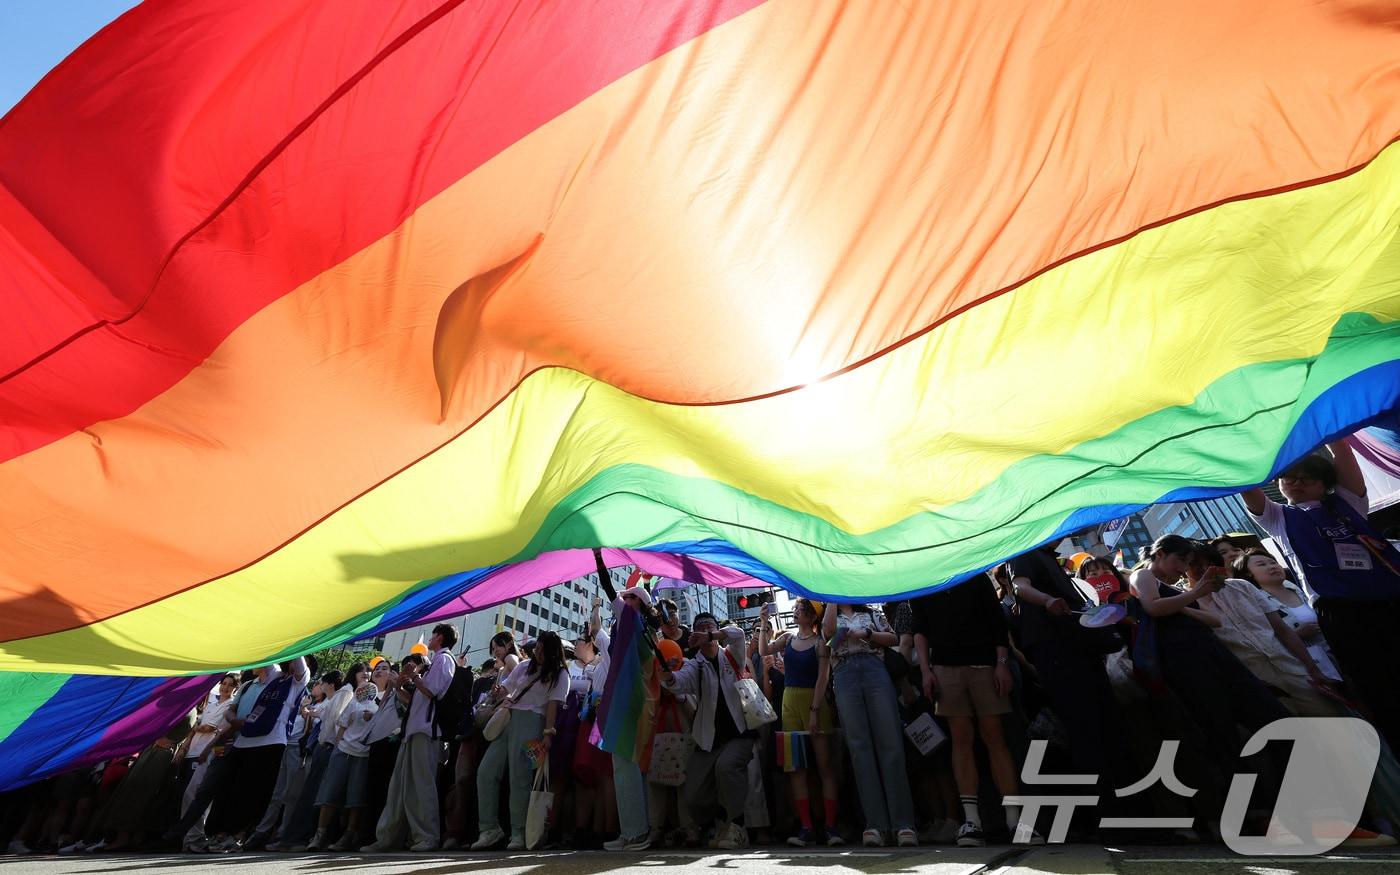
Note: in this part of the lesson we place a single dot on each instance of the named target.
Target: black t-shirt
(724, 721)
(964, 623)
(1045, 574)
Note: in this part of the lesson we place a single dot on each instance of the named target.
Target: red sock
(804, 812)
(830, 813)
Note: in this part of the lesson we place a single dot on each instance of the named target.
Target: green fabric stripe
(26, 693)
(1230, 435)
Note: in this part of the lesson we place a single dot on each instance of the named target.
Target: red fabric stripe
(189, 134)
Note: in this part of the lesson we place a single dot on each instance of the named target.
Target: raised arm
(1349, 475)
(1144, 587)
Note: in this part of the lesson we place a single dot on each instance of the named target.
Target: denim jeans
(869, 709)
(507, 757)
(630, 786)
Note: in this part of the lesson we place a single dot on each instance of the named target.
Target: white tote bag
(925, 734)
(541, 802)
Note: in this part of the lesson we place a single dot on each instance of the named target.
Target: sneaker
(907, 839)
(489, 839)
(318, 841)
(425, 847)
(448, 844)
(970, 836)
(617, 844)
(516, 843)
(18, 848)
(641, 843)
(835, 840)
(375, 848)
(733, 838)
(872, 838)
(78, 847)
(101, 845)
(1365, 838)
(348, 841)
(804, 839)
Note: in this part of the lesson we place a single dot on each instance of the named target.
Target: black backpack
(447, 711)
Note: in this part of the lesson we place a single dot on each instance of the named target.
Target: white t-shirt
(215, 714)
(329, 715)
(355, 726)
(387, 720)
(539, 694)
(1272, 521)
(580, 677)
(278, 735)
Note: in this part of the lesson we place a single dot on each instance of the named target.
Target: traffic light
(743, 601)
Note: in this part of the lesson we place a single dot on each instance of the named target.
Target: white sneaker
(517, 843)
(733, 838)
(76, 848)
(970, 836)
(640, 843)
(872, 838)
(617, 844)
(318, 841)
(907, 839)
(424, 847)
(18, 848)
(374, 848)
(489, 840)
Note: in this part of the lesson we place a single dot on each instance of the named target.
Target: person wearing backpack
(412, 803)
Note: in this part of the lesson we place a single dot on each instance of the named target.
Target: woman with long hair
(806, 674)
(533, 693)
(1218, 692)
(869, 709)
(1260, 568)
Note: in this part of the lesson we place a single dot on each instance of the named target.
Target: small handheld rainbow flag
(792, 750)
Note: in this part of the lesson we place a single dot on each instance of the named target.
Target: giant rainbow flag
(312, 308)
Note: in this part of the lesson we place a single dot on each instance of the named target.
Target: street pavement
(1059, 860)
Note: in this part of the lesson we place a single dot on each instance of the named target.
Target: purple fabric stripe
(559, 566)
(173, 699)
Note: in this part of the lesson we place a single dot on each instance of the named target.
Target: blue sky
(36, 34)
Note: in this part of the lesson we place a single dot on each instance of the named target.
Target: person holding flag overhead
(627, 674)
(1351, 573)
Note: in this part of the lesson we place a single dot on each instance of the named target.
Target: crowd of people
(903, 724)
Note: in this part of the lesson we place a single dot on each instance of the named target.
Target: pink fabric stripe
(559, 566)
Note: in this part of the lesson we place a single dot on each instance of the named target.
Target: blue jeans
(869, 709)
(630, 787)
